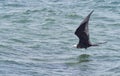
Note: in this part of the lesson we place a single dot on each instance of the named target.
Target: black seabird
(82, 33)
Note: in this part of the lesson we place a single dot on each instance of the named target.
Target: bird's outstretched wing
(82, 31)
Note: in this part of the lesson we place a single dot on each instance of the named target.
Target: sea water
(37, 38)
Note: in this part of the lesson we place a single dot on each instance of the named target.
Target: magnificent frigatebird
(82, 33)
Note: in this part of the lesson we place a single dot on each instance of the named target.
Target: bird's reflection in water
(83, 58)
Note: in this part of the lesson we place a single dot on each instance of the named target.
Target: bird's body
(82, 33)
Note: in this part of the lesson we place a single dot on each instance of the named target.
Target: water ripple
(37, 38)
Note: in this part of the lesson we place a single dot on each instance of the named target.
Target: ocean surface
(37, 38)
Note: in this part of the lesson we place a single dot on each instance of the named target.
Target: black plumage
(82, 33)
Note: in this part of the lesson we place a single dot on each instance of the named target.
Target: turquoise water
(37, 38)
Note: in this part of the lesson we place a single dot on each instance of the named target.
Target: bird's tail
(102, 42)
(99, 43)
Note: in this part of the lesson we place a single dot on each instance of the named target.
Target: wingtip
(91, 12)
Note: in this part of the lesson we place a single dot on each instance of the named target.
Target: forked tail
(102, 42)
(99, 43)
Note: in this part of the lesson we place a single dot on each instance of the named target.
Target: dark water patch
(49, 12)
(44, 35)
(12, 52)
(23, 21)
(112, 49)
(18, 40)
(19, 68)
(103, 18)
(115, 2)
(71, 23)
(107, 58)
(81, 59)
(55, 1)
(84, 58)
(14, 5)
(44, 9)
(7, 16)
(106, 19)
(107, 7)
(49, 19)
(35, 47)
(3, 46)
(10, 62)
(37, 59)
(100, 0)
(115, 69)
(27, 12)
(72, 16)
